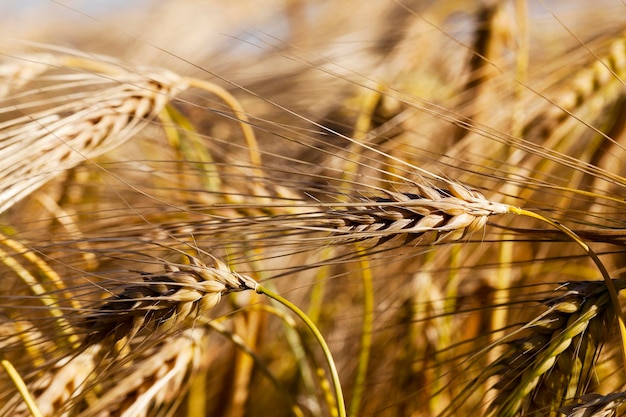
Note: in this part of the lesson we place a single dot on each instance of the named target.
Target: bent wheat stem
(246, 128)
(341, 408)
(605, 274)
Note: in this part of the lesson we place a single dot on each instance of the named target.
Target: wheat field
(391, 208)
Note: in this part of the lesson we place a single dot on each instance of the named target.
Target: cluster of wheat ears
(437, 191)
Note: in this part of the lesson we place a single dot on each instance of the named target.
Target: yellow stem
(21, 387)
(37, 289)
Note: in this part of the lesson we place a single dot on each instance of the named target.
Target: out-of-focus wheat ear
(605, 72)
(493, 36)
(591, 88)
(609, 283)
(94, 105)
(17, 73)
(451, 213)
(555, 354)
(156, 377)
(58, 388)
(595, 405)
(162, 301)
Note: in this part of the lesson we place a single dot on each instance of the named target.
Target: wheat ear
(451, 213)
(549, 358)
(93, 107)
(593, 85)
(59, 387)
(155, 378)
(39, 143)
(161, 301)
(608, 281)
(595, 405)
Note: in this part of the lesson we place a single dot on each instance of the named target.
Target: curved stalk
(334, 375)
(240, 114)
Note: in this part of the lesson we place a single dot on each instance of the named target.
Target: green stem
(605, 274)
(320, 339)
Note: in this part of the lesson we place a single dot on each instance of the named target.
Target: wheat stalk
(22, 389)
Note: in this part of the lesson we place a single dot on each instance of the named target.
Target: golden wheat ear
(59, 387)
(72, 108)
(449, 214)
(153, 381)
(162, 301)
(75, 116)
